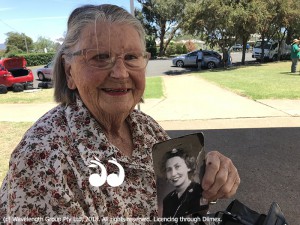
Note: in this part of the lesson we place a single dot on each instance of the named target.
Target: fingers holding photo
(221, 178)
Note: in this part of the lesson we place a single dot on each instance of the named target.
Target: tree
(164, 17)
(43, 43)
(293, 18)
(223, 22)
(245, 21)
(278, 20)
(16, 41)
(213, 20)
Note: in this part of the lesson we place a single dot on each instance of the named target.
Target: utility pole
(132, 7)
(26, 43)
(132, 13)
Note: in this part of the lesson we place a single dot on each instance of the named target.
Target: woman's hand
(221, 178)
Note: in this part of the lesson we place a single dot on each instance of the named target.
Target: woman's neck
(118, 133)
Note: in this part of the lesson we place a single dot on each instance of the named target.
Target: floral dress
(48, 177)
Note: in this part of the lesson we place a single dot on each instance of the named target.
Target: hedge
(36, 59)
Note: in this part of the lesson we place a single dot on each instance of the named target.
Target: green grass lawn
(38, 96)
(154, 87)
(11, 134)
(261, 81)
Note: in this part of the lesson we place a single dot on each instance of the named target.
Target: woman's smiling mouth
(174, 180)
(116, 91)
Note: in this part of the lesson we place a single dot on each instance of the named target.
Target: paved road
(161, 67)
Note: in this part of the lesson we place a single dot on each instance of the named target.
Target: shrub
(151, 46)
(171, 50)
(184, 49)
(35, 59)
(176, 48)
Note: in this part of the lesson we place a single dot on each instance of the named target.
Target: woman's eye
(101, 57)
(131, 56)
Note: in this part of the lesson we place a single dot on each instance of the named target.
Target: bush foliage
(151, 46)
(176, 48)
(35, 59)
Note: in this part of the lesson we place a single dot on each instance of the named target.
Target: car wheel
(41, 76)
(179, 63)
(211, 65)
(18, 87)
(274, 58)
(45, 85)
(28, 86)
(3, 89)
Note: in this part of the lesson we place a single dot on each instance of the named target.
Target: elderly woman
(99, 75)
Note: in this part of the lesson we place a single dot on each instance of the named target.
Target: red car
(14, 75)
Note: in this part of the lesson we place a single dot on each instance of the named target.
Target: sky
(43, 18)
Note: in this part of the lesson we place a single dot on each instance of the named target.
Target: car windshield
(267, 45)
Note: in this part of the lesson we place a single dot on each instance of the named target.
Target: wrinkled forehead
(112, 36)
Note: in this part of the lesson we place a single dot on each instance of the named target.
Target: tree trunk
(245, 40)
(161, 38)
(262, 58)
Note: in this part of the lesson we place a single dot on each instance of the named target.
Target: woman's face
(110, 91)
(177, 171)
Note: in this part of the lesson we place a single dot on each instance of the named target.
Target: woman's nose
(119, 70)
(173, 172)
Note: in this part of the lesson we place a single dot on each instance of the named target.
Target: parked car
(237, 47)
(211, 59)
(14, 75)
(45, 73)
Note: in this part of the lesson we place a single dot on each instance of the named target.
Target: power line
(9, 25)
(17, 32)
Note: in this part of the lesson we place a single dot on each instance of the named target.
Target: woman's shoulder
(170, 196)
(147, 124)
(194, 189)
(46, 134)
(51, 123)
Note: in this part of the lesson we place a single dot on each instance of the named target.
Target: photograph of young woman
(186, 198)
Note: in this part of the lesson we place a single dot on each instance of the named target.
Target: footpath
(192, 103)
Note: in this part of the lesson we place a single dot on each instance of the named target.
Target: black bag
(239, 214)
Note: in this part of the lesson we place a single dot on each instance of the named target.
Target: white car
(237, 47)
(45, 73)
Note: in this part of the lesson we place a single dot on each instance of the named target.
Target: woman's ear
(68, 71)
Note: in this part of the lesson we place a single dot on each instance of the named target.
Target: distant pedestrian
(229, 60)
(247, 47)
(226, 57)
(199, 58)
(295, 55)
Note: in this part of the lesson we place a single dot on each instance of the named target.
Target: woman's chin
(119, 109)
